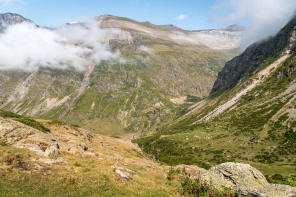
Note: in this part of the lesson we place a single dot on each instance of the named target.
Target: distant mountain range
(163, 67)
(249, 117)
(11, 19)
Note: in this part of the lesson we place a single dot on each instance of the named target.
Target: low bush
(32, 123)
(58, 122)
(7, 114)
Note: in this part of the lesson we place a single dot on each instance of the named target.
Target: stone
(52, 150)
(246, 180)
(61, 160)
(32, 147)
(38, 167)
(122, 175)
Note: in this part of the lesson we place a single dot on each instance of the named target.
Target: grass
(7, 114)
(245, 134)
(189, 186)
(81, 176)
(25, 120)
(32, 123)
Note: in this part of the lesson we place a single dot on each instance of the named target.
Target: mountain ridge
(236, 69)
(156, 69)
(251, 120)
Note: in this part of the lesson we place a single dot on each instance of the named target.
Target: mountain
(162, 67)
(11, 19)
(50, 158)
(249, 116)
(253, 56)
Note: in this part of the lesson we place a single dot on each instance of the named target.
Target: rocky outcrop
(254, 56)
(44, 144)
(246, 180)
(11, 19)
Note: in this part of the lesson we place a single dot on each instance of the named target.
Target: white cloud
(27, 47)
(263, 18)
(181, 17)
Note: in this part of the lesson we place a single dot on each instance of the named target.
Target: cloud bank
(28, 47)
(263, 18)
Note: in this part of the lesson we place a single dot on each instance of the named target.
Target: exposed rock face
(43, 144)
(248, 181)
(160, 62)
(11, 19)
(254, 55)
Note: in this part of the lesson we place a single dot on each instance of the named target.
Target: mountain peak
(11, 19)
(254, 55)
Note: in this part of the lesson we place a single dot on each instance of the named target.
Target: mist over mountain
(108, 72)
(116, 107)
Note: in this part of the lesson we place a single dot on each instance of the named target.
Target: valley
(170, 107)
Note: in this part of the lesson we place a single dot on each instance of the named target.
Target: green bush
(75, 125)
(32, 123)
(7, 114)
(58, 122)
(196, 188)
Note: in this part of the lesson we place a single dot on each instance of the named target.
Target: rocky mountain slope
(161, 67)
(245, 64)
(11, 19)
(249, 117)
(70, 161)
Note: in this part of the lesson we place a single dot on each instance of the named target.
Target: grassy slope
(245, 134)
(123, 94)
(83, 175)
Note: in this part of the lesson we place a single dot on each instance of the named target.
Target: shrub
(32, 123)
(197, 188)
(58, 122)
(75, 125)
(7, 114)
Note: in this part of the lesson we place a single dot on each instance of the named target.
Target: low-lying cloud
(262, 18)
(28, 47)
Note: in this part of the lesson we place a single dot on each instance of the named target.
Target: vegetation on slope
(258, 130)
(25, 120)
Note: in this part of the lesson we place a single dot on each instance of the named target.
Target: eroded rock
(246, 180)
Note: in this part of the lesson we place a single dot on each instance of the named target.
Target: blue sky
(195, 14)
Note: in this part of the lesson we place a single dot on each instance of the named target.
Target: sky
(187, 14)
(40, 46)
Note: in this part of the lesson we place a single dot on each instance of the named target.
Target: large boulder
(245, 179)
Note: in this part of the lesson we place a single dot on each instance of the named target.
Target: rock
(52, 150)
(245, 179)
(246, 63)
(32, 147)
(61, 160)
(276, 190)
(122, 175)
(12, 131)
(38, 167)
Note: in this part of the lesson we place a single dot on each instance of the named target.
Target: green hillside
(254, 122)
